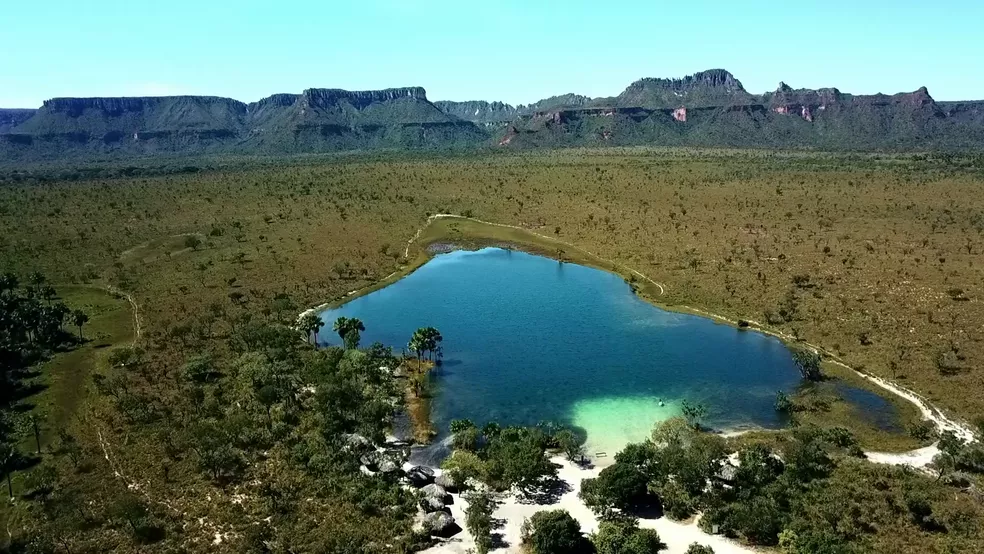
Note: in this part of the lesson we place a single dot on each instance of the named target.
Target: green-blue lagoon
(529, 339)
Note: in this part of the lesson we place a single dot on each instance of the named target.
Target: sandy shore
(513, 511)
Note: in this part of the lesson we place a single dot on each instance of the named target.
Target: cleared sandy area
(514, 510)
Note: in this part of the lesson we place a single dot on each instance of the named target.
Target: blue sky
(512, 50)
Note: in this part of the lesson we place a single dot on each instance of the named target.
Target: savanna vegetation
(208, 420)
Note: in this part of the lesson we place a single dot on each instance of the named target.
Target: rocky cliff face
(715, 87)
(326, 98)
(492, 113)
(710, 108)
(479, 111)
(74, 107)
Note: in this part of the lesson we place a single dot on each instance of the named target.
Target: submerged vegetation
(209, 420)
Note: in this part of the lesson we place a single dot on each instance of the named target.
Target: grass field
(872, 258)
(876, 259)
(67, 376)
(65, 379)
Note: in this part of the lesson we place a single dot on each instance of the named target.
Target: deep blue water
(528, 339)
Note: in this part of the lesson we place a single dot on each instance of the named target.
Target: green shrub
(620, 486)
(554, 532)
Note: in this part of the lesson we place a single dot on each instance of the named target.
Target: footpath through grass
(64, 381)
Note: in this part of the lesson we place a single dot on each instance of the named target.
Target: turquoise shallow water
(528, 339)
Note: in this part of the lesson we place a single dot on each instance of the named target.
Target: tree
(79, 318)
(193, 242)
(463, 465)
(464, 435)
(478, 519)
(783, 403)
(516, 458)
(623, 536)
(201, 369)
(349, 330)
(8, 459)
(620, 486)
(808, 362)
(425, 340)
(311, 323)
(693, 413)
(554, 532)
(570, 444)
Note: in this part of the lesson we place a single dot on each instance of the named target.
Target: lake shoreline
(425, 238)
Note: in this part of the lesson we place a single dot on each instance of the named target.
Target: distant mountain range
(710, 108)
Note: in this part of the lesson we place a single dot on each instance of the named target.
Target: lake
(529, 339)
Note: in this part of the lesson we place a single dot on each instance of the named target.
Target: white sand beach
(514, 510)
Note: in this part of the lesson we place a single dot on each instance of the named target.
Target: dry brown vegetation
(875, 259)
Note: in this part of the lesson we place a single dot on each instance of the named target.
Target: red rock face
(804, 111)
(512, 132)
(680, 114)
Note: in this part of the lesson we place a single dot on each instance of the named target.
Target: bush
(696, 548)
(694, 413)
(620, 486)
(570, 444)
(922, 430)
(554, 532)
(463, 465)
(808, 362)
(623, 536)
(478, 519)
(641, 455)
(783, 403)
(516, 458)
(677, 502)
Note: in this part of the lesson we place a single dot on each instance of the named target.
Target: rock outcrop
(709, 108)
(437, 524)
(715, 87)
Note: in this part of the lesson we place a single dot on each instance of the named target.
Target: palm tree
(311, 324)
(79, 318)
(432, 340)
(425, 339)
(349, 330)
(417, 345)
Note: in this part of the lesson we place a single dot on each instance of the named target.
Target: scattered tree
(478, 519)
(554, 532)
(79, 318)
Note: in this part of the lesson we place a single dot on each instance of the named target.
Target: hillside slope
(709, 108)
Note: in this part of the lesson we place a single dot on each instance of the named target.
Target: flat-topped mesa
(325, 97)
(74, 107)
(715, 87)
(710, 78)
(479, 111)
